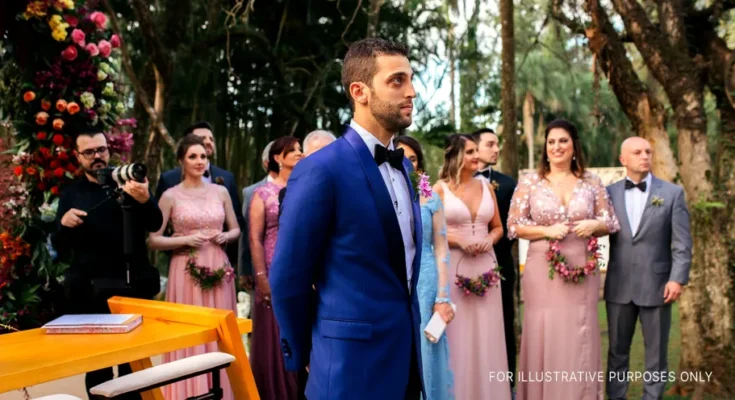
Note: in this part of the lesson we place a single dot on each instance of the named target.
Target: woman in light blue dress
(433, 285)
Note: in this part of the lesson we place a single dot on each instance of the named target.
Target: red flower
(54, 164)
(41, 186)
(41, 136)
(61, 105)
(58, 139)
(31, 171)
(71, 20)
(59, 172)
(18, 171)
(45, 104)
(99, 19)
(70, 53)
(29, 96)
(115, 41)
(63, 156)
(105, 48)
(55, 190)
(71, 168)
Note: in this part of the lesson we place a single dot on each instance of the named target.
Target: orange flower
(58, 124)
(41, 118)
(61, 105)
(29, 96)
(31, 171)
(45, 104)
(72, 108)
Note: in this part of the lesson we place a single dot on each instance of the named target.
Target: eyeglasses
(89, 153)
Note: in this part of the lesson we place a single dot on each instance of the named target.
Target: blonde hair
(454, 148)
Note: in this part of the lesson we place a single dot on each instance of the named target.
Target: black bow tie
(485, 173)
(206, 173)
(394, 157)
(630, 185)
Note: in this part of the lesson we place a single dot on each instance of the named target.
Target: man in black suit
(213, 174)
(487, 143)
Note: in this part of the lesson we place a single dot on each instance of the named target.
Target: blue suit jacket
(172, 178)
(339, 231)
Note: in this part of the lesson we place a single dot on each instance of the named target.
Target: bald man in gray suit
(649, 263)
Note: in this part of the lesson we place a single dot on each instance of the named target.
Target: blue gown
(438, 378)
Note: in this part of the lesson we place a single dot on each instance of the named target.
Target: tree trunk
(374, 17)
(708, 305)
(510, 147)
(528, 111)
(153, 154)
(452, 73)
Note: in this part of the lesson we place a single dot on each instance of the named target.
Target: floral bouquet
(421, 185)
(479, 286)
(205, 277)
(572, 273)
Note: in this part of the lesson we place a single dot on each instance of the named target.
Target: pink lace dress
(266, 358)
(192, 212)
(560, 346)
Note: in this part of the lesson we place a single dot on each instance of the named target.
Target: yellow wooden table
(31, 357)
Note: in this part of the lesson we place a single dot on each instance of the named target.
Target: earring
(280, 165)
(574, 158)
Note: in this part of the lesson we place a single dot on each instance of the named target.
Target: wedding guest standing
(433, 284)
(477, 335)
(271, 377)
(197, 211)
(570, 206)
(649, 263)
(504, 185)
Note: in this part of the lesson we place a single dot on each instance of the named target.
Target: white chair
(58, 397)
(165, 374)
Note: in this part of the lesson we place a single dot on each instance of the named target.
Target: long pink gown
(193, 212)
(477, 334)
(560, 346)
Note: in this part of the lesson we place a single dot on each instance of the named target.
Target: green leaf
(11, 296)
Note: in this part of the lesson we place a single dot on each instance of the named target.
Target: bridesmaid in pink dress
(560, 347)
(266, 357)
(197, 211)
(477, 334)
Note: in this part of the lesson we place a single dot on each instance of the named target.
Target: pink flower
(70, 53)
(424, 186)
(78, 37)
(99, 19)
(93, 49)
(105, 48)
(115, 41)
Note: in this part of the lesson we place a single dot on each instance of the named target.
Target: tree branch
(559, 15)
(140, 92)
(671, 14)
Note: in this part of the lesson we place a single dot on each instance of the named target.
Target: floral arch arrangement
(61, 61)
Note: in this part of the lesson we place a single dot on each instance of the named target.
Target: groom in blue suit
(351, 226)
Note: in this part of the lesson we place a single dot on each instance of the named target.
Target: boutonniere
(420, 182)
(219, 180)
(495, 185)
(657, 201)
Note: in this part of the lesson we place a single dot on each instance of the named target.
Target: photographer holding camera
(109, 257)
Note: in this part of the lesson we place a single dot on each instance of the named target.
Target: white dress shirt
(635, 202)
(399, 194)
(481, 177)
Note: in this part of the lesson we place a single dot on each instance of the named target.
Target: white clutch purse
(436, 326)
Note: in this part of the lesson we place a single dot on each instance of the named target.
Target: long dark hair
(454, 147)
(415, 146)
(281, 146)
(578, 159)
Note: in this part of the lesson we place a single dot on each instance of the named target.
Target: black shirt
(96, 246)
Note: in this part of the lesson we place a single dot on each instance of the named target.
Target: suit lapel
(388, 218)
(655, 191)
(417, 227)
(619, 198)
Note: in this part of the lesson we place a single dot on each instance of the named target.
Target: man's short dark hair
(359, 62)
(198, 125)
(477, 135)
(89, 132)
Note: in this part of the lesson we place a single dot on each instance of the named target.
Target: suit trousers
(655, 324)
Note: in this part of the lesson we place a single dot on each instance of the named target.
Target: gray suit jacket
(246, 262)
(641, 263)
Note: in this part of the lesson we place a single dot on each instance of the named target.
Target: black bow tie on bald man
(394, 157)
(630, 185)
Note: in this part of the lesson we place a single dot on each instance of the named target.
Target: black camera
(115, 177)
